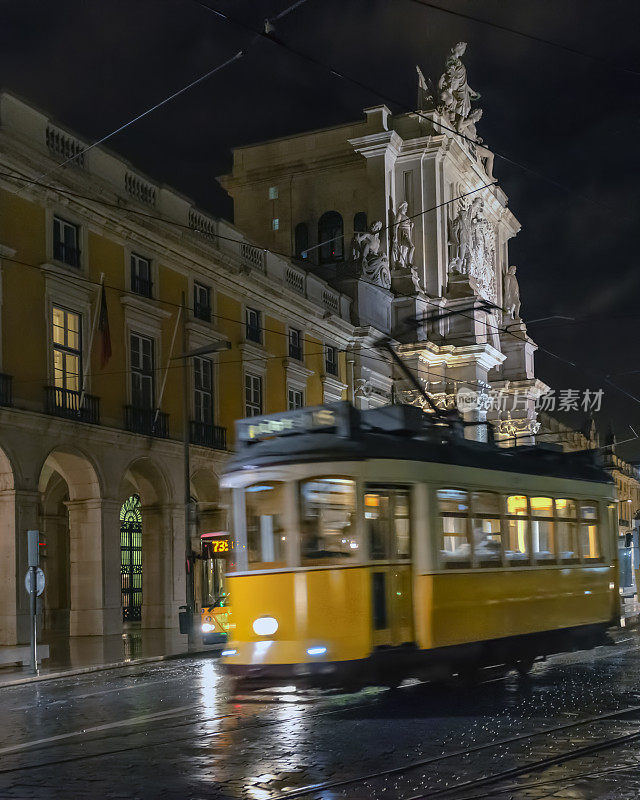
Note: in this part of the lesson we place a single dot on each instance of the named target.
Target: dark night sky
(95, 64)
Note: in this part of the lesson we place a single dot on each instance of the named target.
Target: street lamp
(208, 349)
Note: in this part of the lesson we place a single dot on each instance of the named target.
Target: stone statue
(366, 253)
(403, 247)
(425, 92)
(467, 128)
(456, 95)
(472, 237)
(511, 293)
(461, 237)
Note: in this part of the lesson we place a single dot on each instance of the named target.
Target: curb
(50, 676)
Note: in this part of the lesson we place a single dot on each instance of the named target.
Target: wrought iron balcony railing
(73, 405)
(214, 436)
(147, 421)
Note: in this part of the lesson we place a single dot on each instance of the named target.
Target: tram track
(533, 766)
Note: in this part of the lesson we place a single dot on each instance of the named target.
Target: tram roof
(340, 432)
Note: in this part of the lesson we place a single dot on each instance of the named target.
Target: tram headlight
(265, 626)
(207, 627)
(316, 651)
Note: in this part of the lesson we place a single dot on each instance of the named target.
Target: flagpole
(166, 372)
(94, 326)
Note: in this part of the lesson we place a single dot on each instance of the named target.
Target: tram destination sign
(331, 418)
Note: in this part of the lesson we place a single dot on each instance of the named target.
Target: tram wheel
(523, 666)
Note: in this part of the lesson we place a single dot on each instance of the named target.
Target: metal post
(33, 594)
(188, 566)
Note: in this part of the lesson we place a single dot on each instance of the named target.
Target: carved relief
(366, 254)
(472, 238)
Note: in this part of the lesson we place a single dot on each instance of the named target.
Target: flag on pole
(103, 327)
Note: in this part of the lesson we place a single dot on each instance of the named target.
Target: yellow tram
(376, 545)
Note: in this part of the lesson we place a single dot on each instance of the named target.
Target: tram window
(327, 521)
(516, 546)
(387, 520)
(542, 538)
(455, 547)
(566, 530)
(487, 547)
(588, 532)
(266, 537)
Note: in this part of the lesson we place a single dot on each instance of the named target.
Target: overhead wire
(530, 36)
(388, 98)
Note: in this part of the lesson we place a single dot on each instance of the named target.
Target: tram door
(387, 513)
(215, 554)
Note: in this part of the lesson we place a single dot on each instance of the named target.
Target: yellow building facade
(107, 280)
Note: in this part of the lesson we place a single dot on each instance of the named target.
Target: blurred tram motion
(371, 546)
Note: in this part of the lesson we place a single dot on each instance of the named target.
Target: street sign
(33, 548)
(28, 581)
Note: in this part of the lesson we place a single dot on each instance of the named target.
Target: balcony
(141, 286)
(67, 254)
(214, 436)
(201, 311)
(147, 421)
(72, 405)
(6, 394)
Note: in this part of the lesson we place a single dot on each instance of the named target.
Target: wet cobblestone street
(174, 730)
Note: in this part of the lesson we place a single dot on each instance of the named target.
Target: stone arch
(11, 629)
(162, 540)
(78, 552)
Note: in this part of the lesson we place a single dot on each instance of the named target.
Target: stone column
(162, 565)
(94, 565)
(18, 514)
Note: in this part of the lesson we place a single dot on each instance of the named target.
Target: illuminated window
(273, 193)
(275, 224)
(566, 530)
(516, 547)
(327, 520)
(588, 531)
(67, 354)
(266, 538)
(455, 544)
(542, 533)
(486, 529)
(387, 520)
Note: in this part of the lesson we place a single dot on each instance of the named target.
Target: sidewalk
(630, 612)
(79, 654)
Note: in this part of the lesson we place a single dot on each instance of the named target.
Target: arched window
(360, 222)
(301, 240)
(330, 237)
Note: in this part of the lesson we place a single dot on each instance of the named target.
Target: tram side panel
(319, 608)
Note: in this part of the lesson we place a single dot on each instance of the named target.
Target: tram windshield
(327, 521)
(266, 538)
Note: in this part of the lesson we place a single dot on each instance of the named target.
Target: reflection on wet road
(174, 730)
